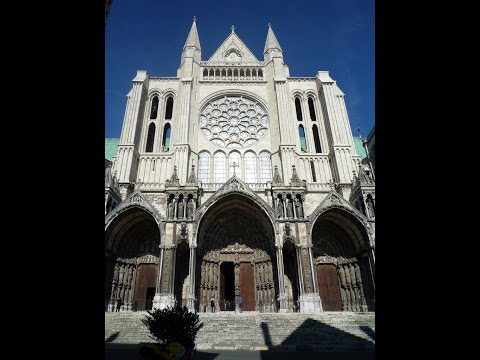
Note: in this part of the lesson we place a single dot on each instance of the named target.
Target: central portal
(236, 257)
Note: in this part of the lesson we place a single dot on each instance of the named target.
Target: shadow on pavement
(313, 335)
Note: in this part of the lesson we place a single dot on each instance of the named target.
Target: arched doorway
(131, 263)
(236, 256)
(340, 257)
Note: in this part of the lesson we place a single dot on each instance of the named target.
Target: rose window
(233, 121)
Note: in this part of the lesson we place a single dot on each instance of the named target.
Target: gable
(233, 50)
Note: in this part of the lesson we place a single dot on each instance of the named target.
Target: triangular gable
(333, 199)
(136, 198)
(232, 185)
(233, 50)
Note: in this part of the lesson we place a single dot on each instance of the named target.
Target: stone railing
(318, 187)
(216, 186)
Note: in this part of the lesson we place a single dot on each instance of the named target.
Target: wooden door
(247, 286)
(146, 278)
(329, 287)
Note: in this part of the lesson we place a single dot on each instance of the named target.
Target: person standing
(240, 302)
(119, 304)
(212, 304)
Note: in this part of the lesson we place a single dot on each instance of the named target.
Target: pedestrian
(240, 302)
(212, 304)
(119, 303)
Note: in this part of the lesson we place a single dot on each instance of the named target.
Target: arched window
(150, 138)
(234, 157)
(166, 137)
(154, 111)
(169, 108)
(219, 167)
(298, 108)
(316, 138)
(303, 141)
(312, 167)
(250, 166)
(260, 73)
(265, 167)
(205, 73)
(204, 167)
(311, 108)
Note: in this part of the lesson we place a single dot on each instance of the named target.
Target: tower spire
(192, 39)
(271, 42)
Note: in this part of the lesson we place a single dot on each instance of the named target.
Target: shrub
(173, 324)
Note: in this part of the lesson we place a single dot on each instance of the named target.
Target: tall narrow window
(234, 157)
(154, 111)
(219, 167)
(316, 138)
(311, 108)
(166, 137)
(314, 176)
(169, 108)
(265, 167)
(150, 138)
(250, 166)
(298, 108)
(204, 167)
(303, 142)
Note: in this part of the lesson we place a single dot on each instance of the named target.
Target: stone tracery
(234, 121)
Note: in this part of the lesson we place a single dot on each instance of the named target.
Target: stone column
(363, 303)
(310, 300)
(111, 305)
(175, 209)
(191, 276)
(343, 286)
(314, 278)
(348, 288)
(282, 297)
(156, 299)
(293, 209)
(300, 271)
(166, 297)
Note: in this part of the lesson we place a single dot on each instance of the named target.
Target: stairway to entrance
(328, 331)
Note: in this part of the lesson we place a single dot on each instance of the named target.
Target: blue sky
(333, 35)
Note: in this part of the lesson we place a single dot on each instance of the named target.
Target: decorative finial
(358, 132)
(233, 29)
(331, 184)
(194, 18)
(269, 25)
(234, 166)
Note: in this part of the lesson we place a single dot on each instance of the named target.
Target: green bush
(173, 324)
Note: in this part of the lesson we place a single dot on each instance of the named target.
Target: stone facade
(235, 178)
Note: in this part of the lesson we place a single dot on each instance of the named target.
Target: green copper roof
(359, 147)
(111, 147)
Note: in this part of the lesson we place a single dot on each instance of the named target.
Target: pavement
(131, 352)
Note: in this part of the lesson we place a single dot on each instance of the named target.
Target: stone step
(329, 331)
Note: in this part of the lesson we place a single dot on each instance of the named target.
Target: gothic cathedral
(236, 179)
